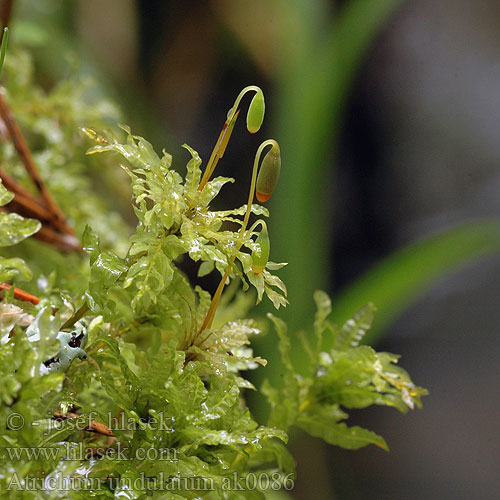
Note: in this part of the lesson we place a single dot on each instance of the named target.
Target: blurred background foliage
(387, 112)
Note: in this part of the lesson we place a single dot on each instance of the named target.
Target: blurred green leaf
(397, 281)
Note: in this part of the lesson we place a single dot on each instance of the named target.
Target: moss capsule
(255, 114)
(268, 174)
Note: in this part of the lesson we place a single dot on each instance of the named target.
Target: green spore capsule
(255, 114)
(268, 174)
(260, 260)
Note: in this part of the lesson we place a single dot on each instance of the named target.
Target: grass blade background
(313, 87)
(313, 90)
(401, 278)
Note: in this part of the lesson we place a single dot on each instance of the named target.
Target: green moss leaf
(14, 229)
(339, 434)
(354, 329)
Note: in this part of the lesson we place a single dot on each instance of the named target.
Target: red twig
(20, 294)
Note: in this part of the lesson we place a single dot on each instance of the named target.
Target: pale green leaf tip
(382, 444)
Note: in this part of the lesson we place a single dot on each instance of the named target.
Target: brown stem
(25, 204)
(57, 216)
(6, 12)
(27, 207)
(219, 149)
(24, 197)
(207, 322)
(64, 242)
(77, 316)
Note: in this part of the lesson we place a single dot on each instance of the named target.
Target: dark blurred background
(388, 114)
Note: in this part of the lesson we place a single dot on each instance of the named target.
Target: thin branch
(14, 187)
(23, 203)
(57, 216)
(64, 242)
(27, 208)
